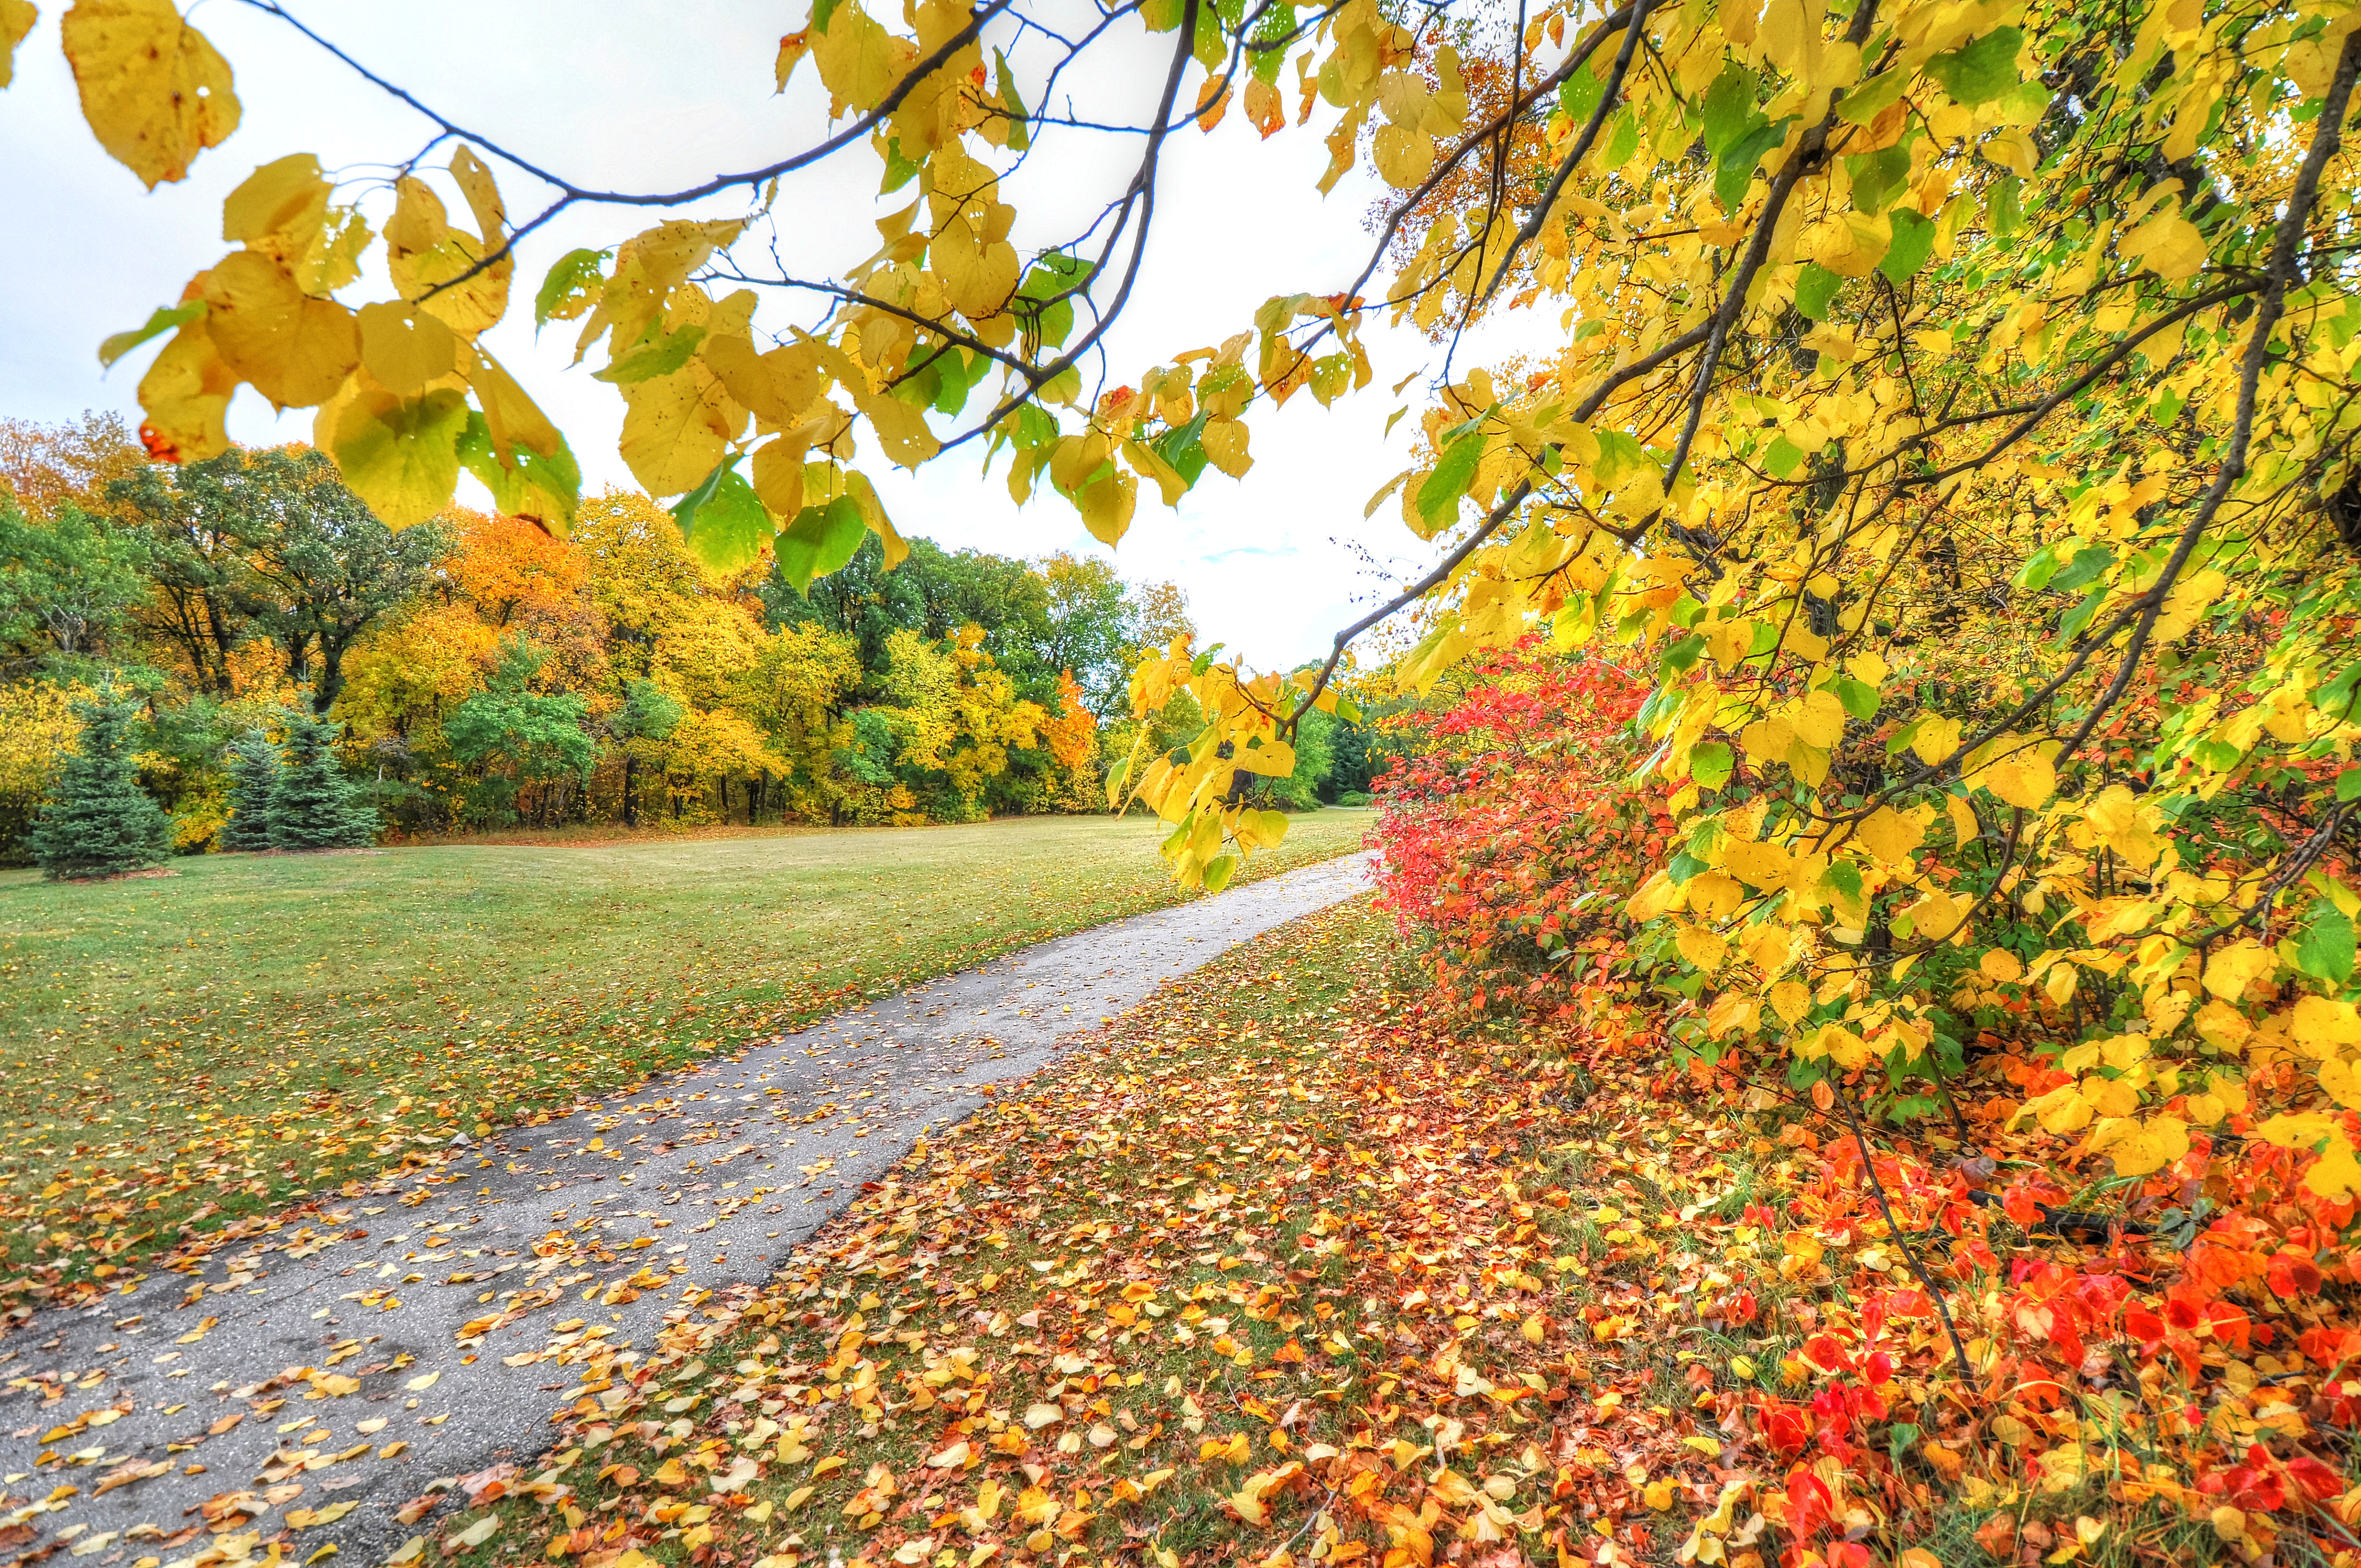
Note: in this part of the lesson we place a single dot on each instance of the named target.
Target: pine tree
(314, 805)
(253, 780)
(98, 820)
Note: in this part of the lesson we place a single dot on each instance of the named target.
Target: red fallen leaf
(2143, 1326)
(2293, 1273)
(2317, 1481)
(1786, 1428)
(1878, 1368)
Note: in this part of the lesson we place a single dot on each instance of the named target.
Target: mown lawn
(196, 1045)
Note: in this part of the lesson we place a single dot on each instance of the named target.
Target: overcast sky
(631, 95)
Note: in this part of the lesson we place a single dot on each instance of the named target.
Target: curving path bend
(192, 1427)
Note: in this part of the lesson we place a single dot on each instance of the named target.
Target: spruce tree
(314, 805)
(253, 780)
(98, 820)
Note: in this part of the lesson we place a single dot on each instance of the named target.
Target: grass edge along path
(86, 1206)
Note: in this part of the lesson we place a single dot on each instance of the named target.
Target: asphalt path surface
(358, 1354)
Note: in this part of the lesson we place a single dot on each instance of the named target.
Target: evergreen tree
(98, 820)
(253, 781)
(314, 806)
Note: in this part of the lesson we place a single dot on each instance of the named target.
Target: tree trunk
(630, 813)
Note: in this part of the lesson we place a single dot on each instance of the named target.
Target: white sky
(638, 96)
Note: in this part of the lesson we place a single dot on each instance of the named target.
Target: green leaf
(1878, 178)
(1738, 160)
(899, 170)
(573, 272)
(819, 541)
(723, 522)
(1579, 94)
(1980, 71)
(2085, 567)
(2003, 214)
(1816, 287)
(535, 486)
(160, 322)
(1005, 84)
(2324, 952)
(661, 358)
(1871, 99)
(1860, 698)
(1621, 142)
(1044, 301)
(1729, 111)
(1350, 711)
(1183, 448)
(1783, 458)
(1913, 242)
(1438, 498)
(1218, 872)
(2348, 783)
(1710, 764)
(2038, 568)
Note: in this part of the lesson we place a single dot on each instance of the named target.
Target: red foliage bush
(1511, 834)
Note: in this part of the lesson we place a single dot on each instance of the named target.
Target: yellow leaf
(859, 61)
(1107, 505)
(2168, 245)
(1707, 1446)
(185, 395)
(1935, 738)
(2233, 968)
(1891, 837)
(1702, 948)
(1659, 1495)
(1818, 719)
(2012, 149)
(2023, 778)
(1791, 999)
(2337, 1173)
(475, 182)
(1403, 155)
(153, 90)
(480, 1532)
(1224, 441)
(401, 456)
(779, 387)
(403, 348)
(2323, 1023)
(279, 200)
(2142, 1147)
(1964, 826)
(16, 19)
(2000, 966)
(296, 350)
(676, 427)
(978, 276)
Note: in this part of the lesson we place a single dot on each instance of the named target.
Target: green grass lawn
(188, 1048)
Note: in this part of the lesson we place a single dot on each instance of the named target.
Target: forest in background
(486, 675)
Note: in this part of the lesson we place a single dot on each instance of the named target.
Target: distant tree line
(230, 627)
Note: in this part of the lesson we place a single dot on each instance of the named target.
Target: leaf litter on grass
(1290, 1265)
(1272, 1270)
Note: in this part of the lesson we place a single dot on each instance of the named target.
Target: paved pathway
(182, 1400)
